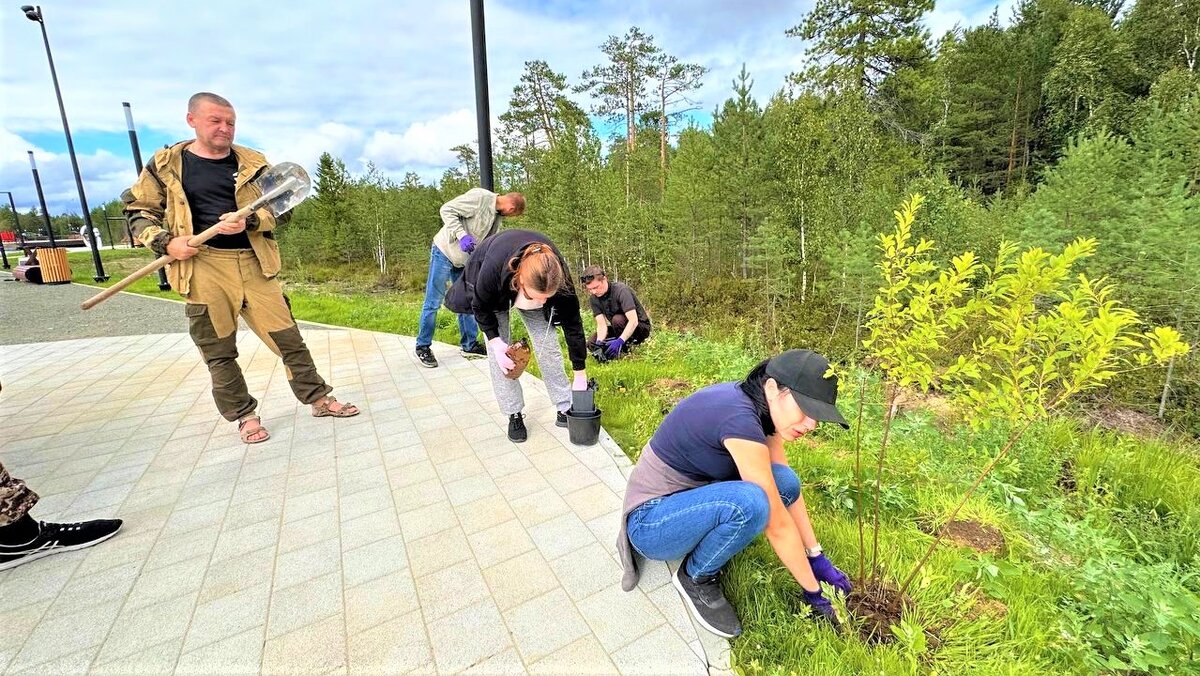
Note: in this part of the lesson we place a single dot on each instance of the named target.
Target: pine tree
(673, 81)
(621, 85)
(858, 43)
(742, 168)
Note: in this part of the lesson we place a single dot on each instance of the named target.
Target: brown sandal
(321, 409)
(246, 432)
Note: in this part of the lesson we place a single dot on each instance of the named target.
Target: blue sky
(381, 81)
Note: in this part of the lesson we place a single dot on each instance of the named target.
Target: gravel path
(36, 313)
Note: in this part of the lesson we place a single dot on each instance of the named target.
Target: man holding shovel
(187, 187)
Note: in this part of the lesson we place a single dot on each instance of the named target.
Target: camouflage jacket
(157, 209)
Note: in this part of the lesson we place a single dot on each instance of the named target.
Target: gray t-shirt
(619, 300)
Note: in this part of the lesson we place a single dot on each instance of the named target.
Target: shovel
(283, 186)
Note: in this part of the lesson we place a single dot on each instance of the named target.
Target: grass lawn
(1099, 566)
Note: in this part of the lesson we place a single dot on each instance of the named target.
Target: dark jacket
(485, 288)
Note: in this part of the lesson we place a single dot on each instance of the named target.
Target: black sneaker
(476, 351)
(560, 419)
(53, 538)
(425, 355)
(516, 428)
(707, 602)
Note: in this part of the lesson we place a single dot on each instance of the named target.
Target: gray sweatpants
(544, 339)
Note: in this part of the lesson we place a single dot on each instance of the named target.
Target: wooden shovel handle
(159, 262)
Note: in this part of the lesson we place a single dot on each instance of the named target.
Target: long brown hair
(538, 269)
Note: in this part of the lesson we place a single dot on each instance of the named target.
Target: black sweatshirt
(489, 272)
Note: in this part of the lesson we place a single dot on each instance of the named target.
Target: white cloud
(304, 146)
(105, 175)
(422, 144)
(946, 15)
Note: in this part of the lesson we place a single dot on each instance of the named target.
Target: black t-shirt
(618, 301)
(209, 186)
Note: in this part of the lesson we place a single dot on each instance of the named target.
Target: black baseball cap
(803, 372)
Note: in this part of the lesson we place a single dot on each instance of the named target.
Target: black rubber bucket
(583, 428)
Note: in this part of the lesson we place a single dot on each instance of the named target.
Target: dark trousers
(616, 325)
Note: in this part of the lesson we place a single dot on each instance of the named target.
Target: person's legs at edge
(24, 539)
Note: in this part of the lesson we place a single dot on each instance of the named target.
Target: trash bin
(55, 269)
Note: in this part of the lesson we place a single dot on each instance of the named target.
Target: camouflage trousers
(16, 499)
(227, 284)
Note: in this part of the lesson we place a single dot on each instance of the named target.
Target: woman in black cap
(715, 475)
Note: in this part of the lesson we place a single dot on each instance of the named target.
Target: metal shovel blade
(289, 183)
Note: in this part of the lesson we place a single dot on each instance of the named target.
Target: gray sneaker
(706, 601)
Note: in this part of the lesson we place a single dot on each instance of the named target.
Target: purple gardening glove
(467, 243)
(824, 570)
(822, 609)
(612, 348)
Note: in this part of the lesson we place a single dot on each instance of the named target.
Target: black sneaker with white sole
(476, 351)
(425, 356)
(516, 428)
(561, 419)
(706, 601)
(52, 538)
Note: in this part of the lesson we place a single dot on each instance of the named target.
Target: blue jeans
(442, 274)
(708, 524)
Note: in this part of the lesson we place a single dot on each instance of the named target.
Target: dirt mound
(877, 606)
(978, 536)
(663, 385)
(937, 405)
(1127, 420)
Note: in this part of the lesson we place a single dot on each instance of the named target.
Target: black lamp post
(163, 284)
(35, 14)
(483, 115)
(4, 248)
(16, 219)
(16, 226)
(37, 183)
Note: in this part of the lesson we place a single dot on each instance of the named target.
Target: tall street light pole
(37, 183)
(483, 115)
(16, 226)
(163, 284)
(35, 14)
(16, 219)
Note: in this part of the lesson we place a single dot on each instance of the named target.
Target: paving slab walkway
(414, 538)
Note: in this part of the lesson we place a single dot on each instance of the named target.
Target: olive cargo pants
(227, 284)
